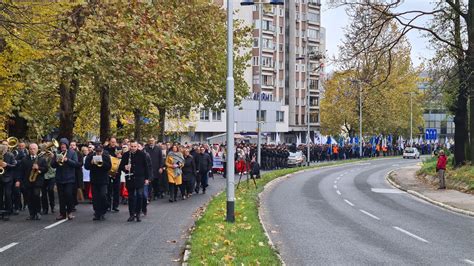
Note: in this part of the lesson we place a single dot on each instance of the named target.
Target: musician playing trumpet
(65, 164)
(32, 170)
(99, 165)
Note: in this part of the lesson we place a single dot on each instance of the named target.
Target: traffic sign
(431, 134)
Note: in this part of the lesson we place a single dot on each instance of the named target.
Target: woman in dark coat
(189, 174)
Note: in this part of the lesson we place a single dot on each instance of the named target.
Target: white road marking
(338, 192)
(387, 191)
(469, 262)
(55, 224)
(348, 202)
(369, 214)
(410, 234)
(8, 246)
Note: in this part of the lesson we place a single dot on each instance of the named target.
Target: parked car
(411, 152)
(296, 159)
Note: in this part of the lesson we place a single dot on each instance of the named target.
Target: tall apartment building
(288, 33)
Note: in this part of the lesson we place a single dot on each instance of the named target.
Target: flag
(448, 144)
(277, 138)
(316, 138)
(298, 140)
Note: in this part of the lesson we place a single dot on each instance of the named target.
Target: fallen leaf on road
(273, 232)
(171, 241)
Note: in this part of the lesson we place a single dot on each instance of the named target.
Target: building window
(303, 120)
(255, 42)
(216, 116)
(263, 115)
(314, 118)
(267, 80)
(268, 26)
(255, 60)
(267, 61)
(296, 120)
(314, 17)
(256, 79)
(268, 44)
(280, 116)
(313, 84)
(313, 34)
(204, 115)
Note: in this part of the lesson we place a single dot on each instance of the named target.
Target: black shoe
(102, 218)
(138, 218)
(96, 218)
(131, 219)
(115, 210)
(197, 191)
(170, 200)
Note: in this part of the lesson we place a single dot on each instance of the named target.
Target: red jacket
(442, 160)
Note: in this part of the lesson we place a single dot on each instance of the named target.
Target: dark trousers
(188, 186)
(135, 199)
(224, 166)
(163, 182)
(33, 200)
(6, 196)
(99, 199)
(155, 184)
(47, 195)
(113, 192)
(16, 197)
(173, 190)
(204, 179)
(66, 202)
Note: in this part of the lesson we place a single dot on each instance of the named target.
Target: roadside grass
(464, 174)
(216, 242)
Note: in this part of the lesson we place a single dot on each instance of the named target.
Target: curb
(425, 198)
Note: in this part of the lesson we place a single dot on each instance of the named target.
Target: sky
(335, 20)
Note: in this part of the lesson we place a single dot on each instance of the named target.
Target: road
(349, 215)
(157, 240)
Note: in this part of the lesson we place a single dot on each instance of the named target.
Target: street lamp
(309, 55)
(411, 115)
(260, 42)
(230, 204)
(356, 81)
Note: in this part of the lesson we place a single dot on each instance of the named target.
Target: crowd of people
(135, 173)
(106, 175)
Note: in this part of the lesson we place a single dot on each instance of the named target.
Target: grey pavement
(350, 215)
(407, 180)
(158, 240)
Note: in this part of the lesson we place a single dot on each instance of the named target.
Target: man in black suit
(99, 165)
(34, 166)
(156, 156)
(134, 164)
(113, 190)
(20, 153)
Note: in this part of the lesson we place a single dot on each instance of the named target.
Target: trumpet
(60, 159)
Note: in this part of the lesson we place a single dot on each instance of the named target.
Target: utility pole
(259, 122)
(230, 204)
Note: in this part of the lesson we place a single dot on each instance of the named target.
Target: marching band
(31, 174)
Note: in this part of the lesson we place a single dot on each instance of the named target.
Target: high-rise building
(288, 34)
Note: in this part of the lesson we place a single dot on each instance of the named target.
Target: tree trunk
(138, 124)
(469, 71)
(162, 114)
(66, 108)
(460, 114)
(104, 113)
(17, 126)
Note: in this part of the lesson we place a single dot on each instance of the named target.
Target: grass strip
(216, 242)
(464, 174)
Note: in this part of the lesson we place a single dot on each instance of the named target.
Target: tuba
(12, 143)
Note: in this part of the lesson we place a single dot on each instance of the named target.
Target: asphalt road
(349, 215)
(157, 240)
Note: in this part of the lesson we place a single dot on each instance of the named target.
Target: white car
(411, 152)
(296, 159)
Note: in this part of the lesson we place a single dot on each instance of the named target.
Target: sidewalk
(406, 180)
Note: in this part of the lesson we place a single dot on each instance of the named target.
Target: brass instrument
(49, 148)
(99, 163)
(12, 143)
(60, 160)
(35, 172)
(115, 166)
